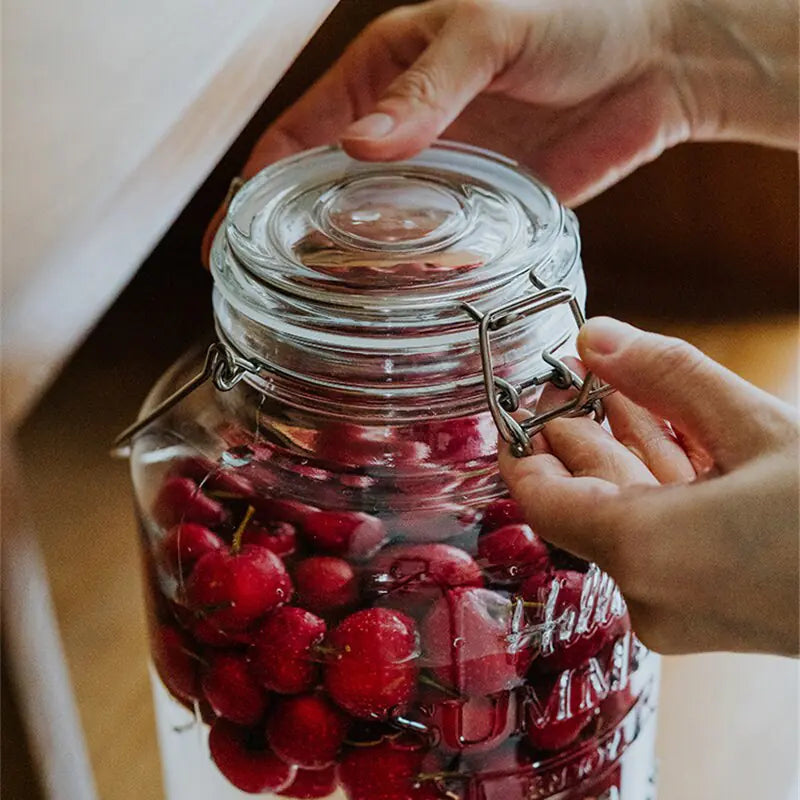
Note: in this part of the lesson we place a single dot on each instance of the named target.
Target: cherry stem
(429, 681)
(236, 544)
(438, 776)
(223, 495)
(321, 651)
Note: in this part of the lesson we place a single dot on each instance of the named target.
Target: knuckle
(476, 9)
(418, 86)
(676, 355)
(388, 21)
(488, 20)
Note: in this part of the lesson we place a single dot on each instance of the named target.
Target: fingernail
(373, 126)
(604, 336)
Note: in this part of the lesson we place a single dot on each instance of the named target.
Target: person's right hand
(587, 95)
(582, 92)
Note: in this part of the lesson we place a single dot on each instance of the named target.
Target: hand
(580, 91)
(696, 520)
(587, 98)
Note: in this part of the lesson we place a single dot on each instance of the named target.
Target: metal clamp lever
(503, 398)
(222, 366)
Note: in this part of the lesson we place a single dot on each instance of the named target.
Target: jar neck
(392, 352)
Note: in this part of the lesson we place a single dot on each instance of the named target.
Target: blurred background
(702, 243)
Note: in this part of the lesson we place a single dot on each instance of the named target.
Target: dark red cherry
(176, 662)
(325, 584)
(233, 589)
(280, 537)
(411, 576)
(208, 633)
(180, 500)
(458, 440)
(307, 730)
(373, 668)
(555, 716)
(184, 544)
(368, 446)
(231, 690)
(244, 758)
(310, 784)
(214, 478)
(273, 509)
(565, 605)
(475, 724)
(344, 533)
(388, 770)
(499, 513)
(282, 655)
(474, 642)
(512, 552)
(614, 708)
(558, 734)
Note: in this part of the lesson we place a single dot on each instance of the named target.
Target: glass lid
(451, 224)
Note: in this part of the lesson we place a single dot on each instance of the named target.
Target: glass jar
(344, 602)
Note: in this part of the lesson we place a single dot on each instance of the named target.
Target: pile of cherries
(326, 652)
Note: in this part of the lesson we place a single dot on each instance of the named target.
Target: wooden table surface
(81, 502)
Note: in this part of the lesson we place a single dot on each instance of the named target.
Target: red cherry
(307, 730)
(214, 478)
(458, 440)
(277, 510)
(243, 757)
(473, 641)
(325, 584)
(280, 537)
(282, 655)
(180, 500)
(615, 707)
(553, 714)
(504, 773)
(231, 590)
(207, 632)
(374, 668)
(474, 724)
(558, 734)
(567, 613)
(512, 551)
(361, 446)
(231, 690)
(499, 513)
(413, 575)
(176, 662)
(310, 784)
(185, 544)
(385, 771)
(344, 533)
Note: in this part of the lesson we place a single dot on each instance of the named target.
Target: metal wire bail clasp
(504, 398)
(222, 366)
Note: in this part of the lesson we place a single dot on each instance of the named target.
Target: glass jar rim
(249, 257)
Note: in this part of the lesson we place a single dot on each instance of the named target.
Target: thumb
(459, 63)
(729, 417)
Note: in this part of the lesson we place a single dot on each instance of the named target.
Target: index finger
(567, 511)
(381, 52)
(349, 89)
